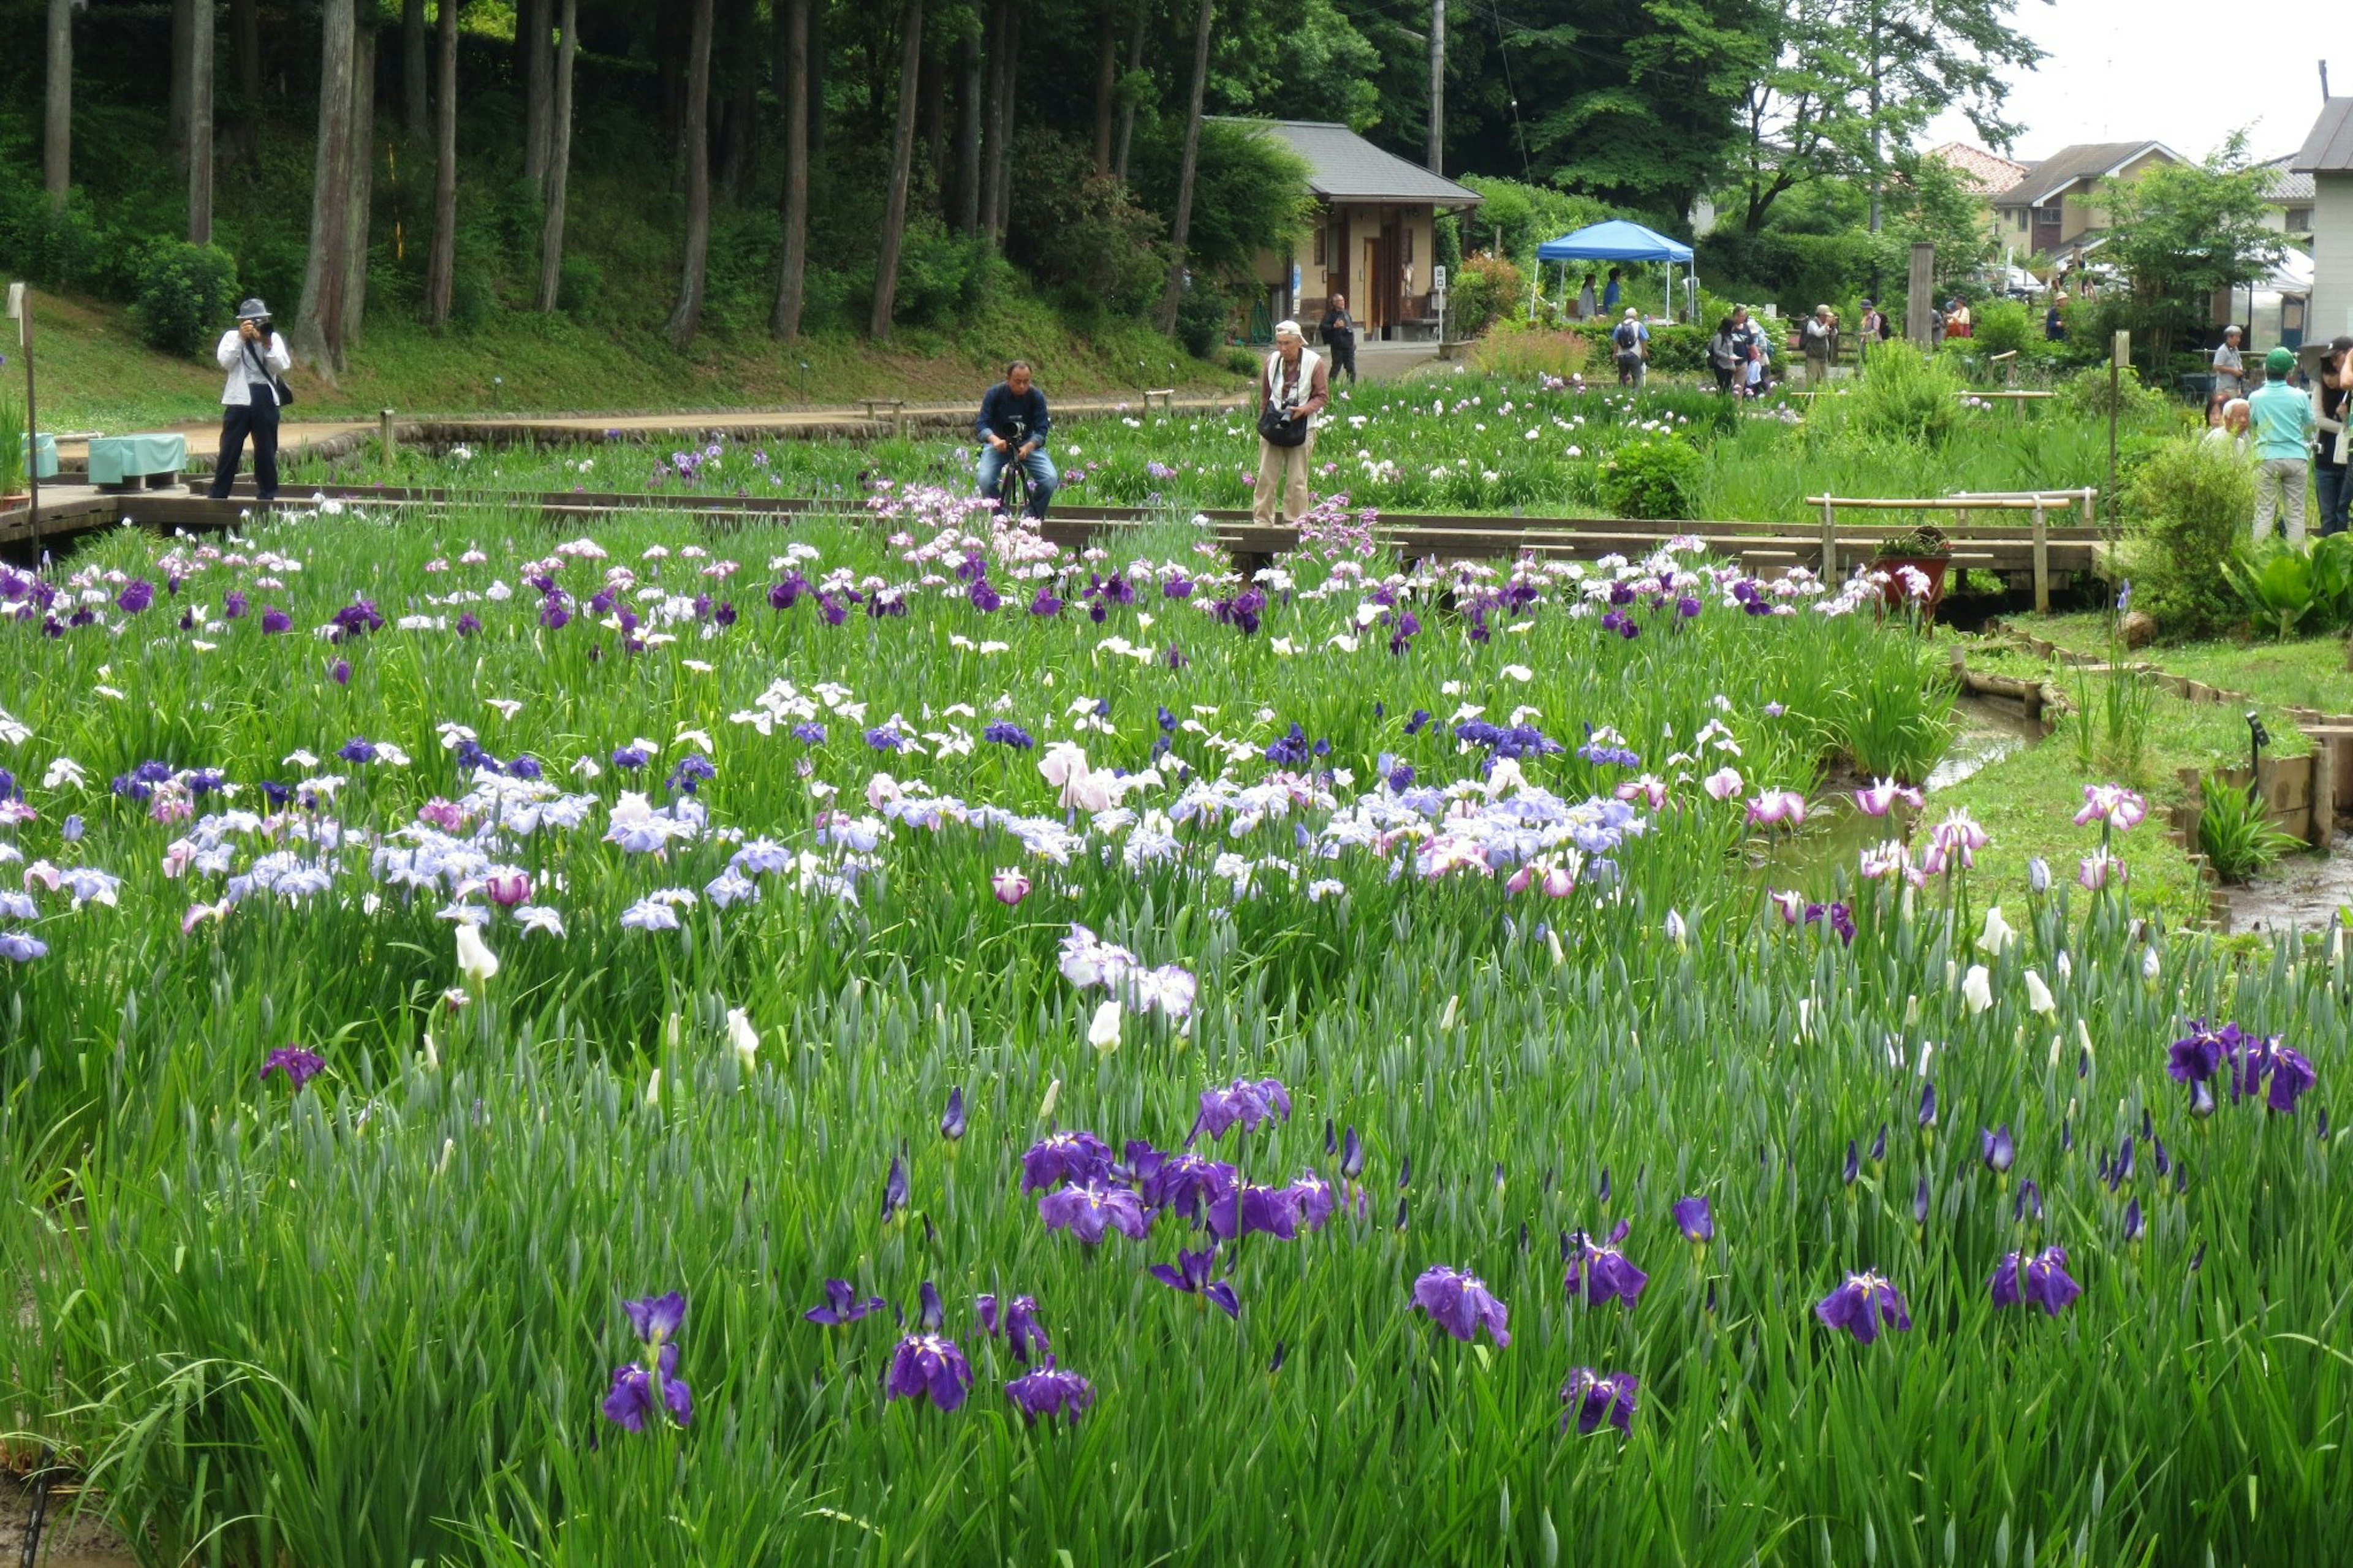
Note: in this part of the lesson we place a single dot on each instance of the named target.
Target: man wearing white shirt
(255, 357)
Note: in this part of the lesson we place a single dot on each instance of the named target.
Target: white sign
(16, 301)
(1438, 279)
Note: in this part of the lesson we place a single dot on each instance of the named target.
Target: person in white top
(255, 357)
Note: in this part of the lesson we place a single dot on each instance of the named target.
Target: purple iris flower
(1050, 1392)
(895, 1188)
(1312, 1195)
(1695, 1220)
(2292, 1075)
(952, 1124)
(339, 672)
(1928, 1106)
(810, 732)
(1459, 1303)
(628, 757)
(1593, 1397)
(1179, 1183)
(357, 750)
(1602, 1271)
(1004, 734)
(2040, 1278)
(692, 771)
(1024, 1335)
(234, 605)
(1242, 1208)
(1045, 605)
(1242, 1103)
(786, 590)
(656, 1319)
(1090, 1211)
(467, 624)
(136, 595)
(932, 1314)
(1863, 1305)
(842, 1305)
(1190, 1274)
(1996, 1147)
(633, 1396)
(1352, 1155)
(298, 1065)
(2195, 1056)
(1065, 1157)
(928, 1366)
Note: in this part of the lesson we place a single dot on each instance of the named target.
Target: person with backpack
(1292, 391)
(256, 362)
(1629, 341)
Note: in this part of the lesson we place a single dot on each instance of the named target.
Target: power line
(1504, 53)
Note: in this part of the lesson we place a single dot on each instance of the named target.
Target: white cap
(1632, 312)
(1288, 328)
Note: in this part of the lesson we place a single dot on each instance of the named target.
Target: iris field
(883, 1041)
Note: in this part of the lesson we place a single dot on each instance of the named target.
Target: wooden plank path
(1763, 548)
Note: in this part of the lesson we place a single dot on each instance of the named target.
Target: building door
(1371, 312)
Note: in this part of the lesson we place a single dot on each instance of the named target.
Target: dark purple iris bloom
(895, 1189)
(928, 1366)
(339, 672)
(359, 616)
(276, 794)
(2039, 1278)
(275, 620)
(1079, 1158)
(952, 1124)
(1089, 1212)
(298, 1065)
(602, 601)
(1050, 1392)
(1996, 1149)
(1920, 1201)
(1695, 1220)
(1024, 1334)
(136, 595)
(1312, 1194)
(1593, 1398)
(2136, 1225)
(885, 738)
(1190, 1274)
(2291, 1075)
(1045, 605)
(357, 750)
(634, 1397)
(553, 613)
(1004, 734)
(656, 1319)
(1352, 1156)
(2194, 1058)
(469, 624)
(629, 757)
(1459, 1303)
(809, 732)
(234, 605)
(1177, 588)
(1242, 1208)
(1242, 1103)
(1863, 1305)
(1600, 1271)
(1180, 1182)
(786, 590)
(842, 1305)
(691, 772)
(1401, 635)
(1687, 606)
(931, 1314)
(1415, 720)
(831, 607)
(982, 596)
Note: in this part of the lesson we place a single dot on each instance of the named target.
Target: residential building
(2327, 158)
(1984, 173)
(1371, 236)
(2054, 206)
(2287, 199)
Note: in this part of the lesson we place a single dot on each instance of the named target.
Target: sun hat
(1632, 312)
(253, 310)
(2279, 361)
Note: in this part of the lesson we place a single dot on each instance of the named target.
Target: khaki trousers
(1283, 469)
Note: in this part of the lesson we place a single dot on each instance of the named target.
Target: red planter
(1932, 567)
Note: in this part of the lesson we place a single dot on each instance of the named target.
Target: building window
(2046, 218)
(2299, 218)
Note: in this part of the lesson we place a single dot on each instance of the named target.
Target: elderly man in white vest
(1292, 391)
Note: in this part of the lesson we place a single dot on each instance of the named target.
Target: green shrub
(186, 293)
(1649, 478)
(1680, 351)
(2235, 831)
(580, 286)
(1517, 349)
(1905, 397)
(16, 460)
(1242, 361)
(1202, 315)
(942, 274)
(2086, 396)
(2006, 326)
(2189, 506)
(1481, 290)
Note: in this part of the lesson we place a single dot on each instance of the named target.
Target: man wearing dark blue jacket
(1012, 429)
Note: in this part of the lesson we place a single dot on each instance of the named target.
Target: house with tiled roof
(1983, 173)
(2055, 204)
(1371, 236)
(2327, 159)
(2288, 199)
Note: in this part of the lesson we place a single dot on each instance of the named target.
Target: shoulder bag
(1273, 426)
(278, 387)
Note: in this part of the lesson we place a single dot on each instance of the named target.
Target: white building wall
(2332, 258)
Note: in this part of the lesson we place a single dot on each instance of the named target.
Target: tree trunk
(931, 126)
(363, 178)
(1106, 85)
(902, 157)
(687, 319)
(736, 140)
(1005, 112)
(245, 29)
(967, 180)
(1173, 295)
(559, 164)
(793, 272)
(318, 336)
(441, 262)
(1127, 104)
(416, 74)
(993, 47)
(1436, 154)
(200, 128)
(57, 141)
(184, 34)
(530, 30)
(817, 66)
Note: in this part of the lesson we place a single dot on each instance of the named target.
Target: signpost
(20, 310)
(2119, 356)
(1438, 296)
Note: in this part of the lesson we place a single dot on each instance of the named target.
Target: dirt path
(65, 1542)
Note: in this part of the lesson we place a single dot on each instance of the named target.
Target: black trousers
(1342, 346)
(259, 420)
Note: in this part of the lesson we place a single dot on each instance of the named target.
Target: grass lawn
(2309, 672)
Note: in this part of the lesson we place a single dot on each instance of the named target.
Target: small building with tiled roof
(1372, 238)
(2288, 199)
(1983, 173)
(2055, 204)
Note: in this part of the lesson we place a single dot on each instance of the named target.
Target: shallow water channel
(2300, 893)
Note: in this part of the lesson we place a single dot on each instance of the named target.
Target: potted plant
(1910, 559)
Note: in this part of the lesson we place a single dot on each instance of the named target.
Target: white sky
(2183, 73)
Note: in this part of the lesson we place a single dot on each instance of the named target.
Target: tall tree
(184, 44)
(819, 57)
(559, 162)
(902, 157)
(245, 29)
(792, 277)
(1007, 104)
(995, 115)
(538, 119)
(363, 178)
(416, 74)
(318, 336)
(1920, 58)
(1130, 93)
(441, 262)
(56, 133)
(200, 128)
(1173, 296)
(1435, 157)
(1106, 82)
(969, 94)
(2185, 233)
(687, 319)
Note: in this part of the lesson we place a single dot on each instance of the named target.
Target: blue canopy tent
(1619, 239)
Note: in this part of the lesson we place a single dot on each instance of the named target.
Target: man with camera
(1012, 429)
(256, 361)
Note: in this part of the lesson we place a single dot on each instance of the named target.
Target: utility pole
(1437, 158)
